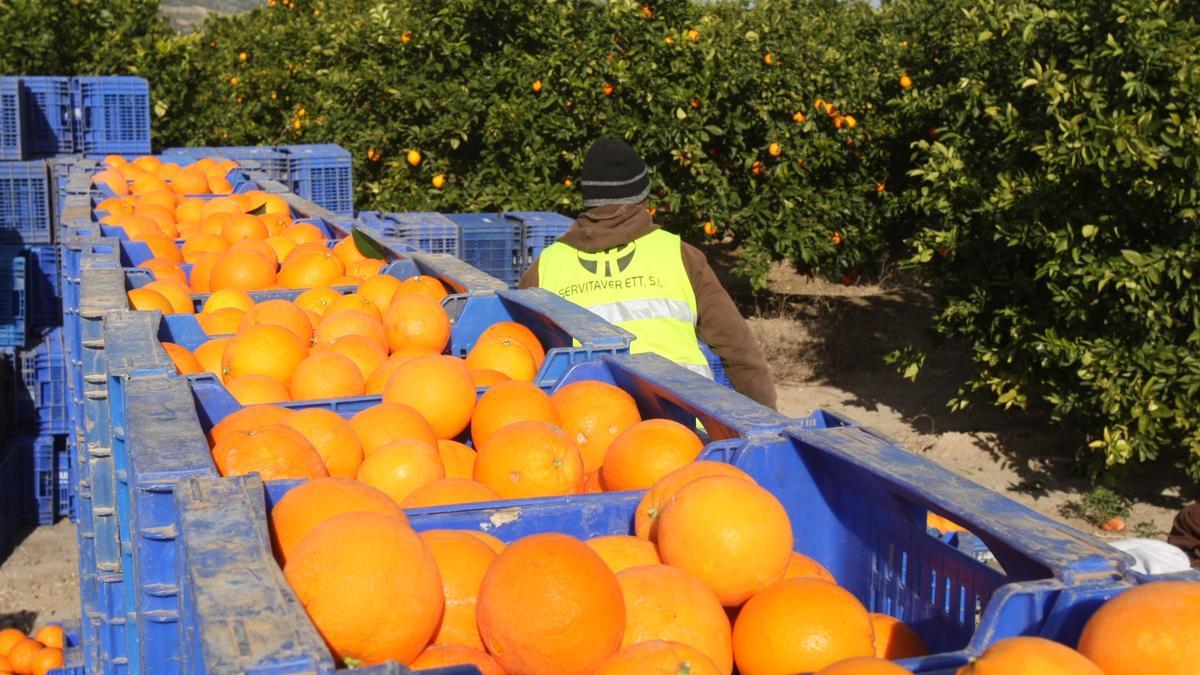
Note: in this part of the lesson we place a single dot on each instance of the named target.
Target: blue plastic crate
(72, 649)
(264, 161)
(13, 298)
(10, 523)
(323, 174)
(42, 287)
(493, 244)
(24, 202)
(43, 403)
(37, 481)
(112, 115)
(49, 121)
(539, 229)
(426, 231)
(11, 120)
(718, 368)
(65, 506)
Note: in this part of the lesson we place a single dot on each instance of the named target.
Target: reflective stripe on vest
(641, 286)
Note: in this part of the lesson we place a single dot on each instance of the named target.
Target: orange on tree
(387, 422)
(621, 551)
(548, 604)
(1046, 657)
(401, 467)
(413, 157)
(658, 657)
(331, 436)
(895, 639)
(646, 452)
(594, 413)
(375, 559)
(439, 388)
(313, 502)
(729, 532)
(645, 520)
(530, 459)
(1146, 629)
(445, 491)
(275, 451)
(509, 402)
(799, 626)
(667, 603)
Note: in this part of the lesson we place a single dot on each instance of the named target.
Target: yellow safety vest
(641, 287)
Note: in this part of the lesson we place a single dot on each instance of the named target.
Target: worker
(616, 262)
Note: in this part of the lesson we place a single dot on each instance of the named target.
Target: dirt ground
(826, 344)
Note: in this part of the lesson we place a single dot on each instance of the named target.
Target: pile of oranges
(24, 655)
(710, 580)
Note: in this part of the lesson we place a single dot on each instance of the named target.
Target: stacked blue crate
(49, 123)
(324, 174)
(13, 279)
(43, 404)
(423, 230)
(36, 480)
(492, 243)
(25, 202)
(11, 120)
(112, 115)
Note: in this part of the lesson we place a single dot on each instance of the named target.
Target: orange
(50, 635)
(483, 377)
(387, 422)
(798, 626)
(402, 466)
(146, 300)
(176, 294)
(161, 246)
(244, 226)
(621, 551)
(801, 565)
(167, 170)
(332, 437)
(275, 451)
(302, 233)
(509, 402)
(377, 380)
(437, 387)
(347, 251)
(423, 285)
(200, 244)
(310, 269)
(210, 354)
(255, 389)
(228, 297)
(281, 245)
(346, 280)
(894, 639)
(335, 324)
(190, 182)
(379, 290)
(645, 519)
(462, 561)
(317, 299)
(243, 269)
(212, 223)
(658, 657)
(373, 560)
(8, 638)
(548, 604)
(504, 355)
(416, 324)
(492, 542)
(529, 459)
(366, 354)
(221, 322)
(268, 350)
(449, 491)
(114, 206)
(439, 656)
(185, 362)
(863, 665)
(222, 205)
(280, 313)
(201, 273)
(366, 269)
(666, 603)
(355, 301)
(326, 374)
(46, 660)
(189, 210)
(594, 414)
(1044, 657)
(1147, 629)
(21, 655)
(261, 247)
(591, 484)
(219, 186)
(246, 419)
(458, 459)
(646, 452)
(300, 250)
(515, 331)
(313, 502)
(729, 532)
(275, 204)
(165, 270)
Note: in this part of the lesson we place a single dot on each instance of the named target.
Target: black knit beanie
(613, 173)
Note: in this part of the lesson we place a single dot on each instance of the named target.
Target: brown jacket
(720, 325)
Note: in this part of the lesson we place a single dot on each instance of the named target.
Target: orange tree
(759, 120)
(1056, 156)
